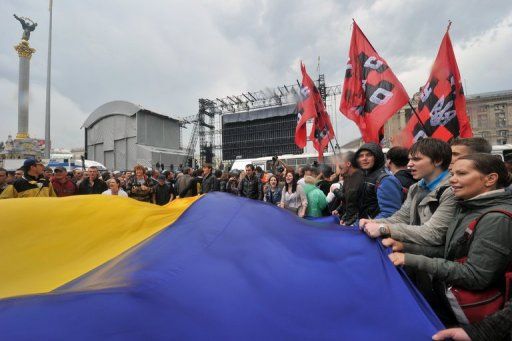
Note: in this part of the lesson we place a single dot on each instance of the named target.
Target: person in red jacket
(62, 185)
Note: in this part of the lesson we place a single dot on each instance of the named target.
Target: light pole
(47, 144)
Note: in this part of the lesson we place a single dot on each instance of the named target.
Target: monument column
(25, 53)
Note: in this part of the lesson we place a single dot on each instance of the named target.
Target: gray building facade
(121, 134)
(491, 115)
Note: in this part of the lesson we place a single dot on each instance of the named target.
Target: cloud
(65, 126)
(165, 55)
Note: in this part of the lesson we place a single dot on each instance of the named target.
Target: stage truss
(207, 124)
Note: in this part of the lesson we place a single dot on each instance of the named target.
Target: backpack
(471, 306)
(433, 205)
(406, 183)
(403, 189)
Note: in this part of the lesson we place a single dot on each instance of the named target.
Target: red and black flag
(442, 104)
(300, 130)
(371, 91)
(311, 106)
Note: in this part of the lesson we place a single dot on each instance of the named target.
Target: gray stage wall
(157, 131)
(120, 141)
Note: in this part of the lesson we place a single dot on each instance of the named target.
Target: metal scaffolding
(208, 123)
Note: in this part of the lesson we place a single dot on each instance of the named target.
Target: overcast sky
(164, 55)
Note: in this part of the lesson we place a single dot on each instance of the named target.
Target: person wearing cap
(31, 184)
(162, 191)
(62, 185)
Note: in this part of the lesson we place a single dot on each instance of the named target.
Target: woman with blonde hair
(140, 186)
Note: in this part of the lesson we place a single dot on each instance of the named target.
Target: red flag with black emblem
(371, 91)
(322, 132)
(300, 130)
(442, 104)
(311, 106)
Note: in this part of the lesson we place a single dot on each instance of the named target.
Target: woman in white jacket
(114, 188)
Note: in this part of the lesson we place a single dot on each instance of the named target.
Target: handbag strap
(468, 233)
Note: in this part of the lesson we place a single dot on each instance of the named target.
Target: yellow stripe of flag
(47, 242)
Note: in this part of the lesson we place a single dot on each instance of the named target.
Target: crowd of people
(444, 209)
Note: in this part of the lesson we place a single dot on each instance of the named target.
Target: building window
(499, 106)
(485, 134)
(501, 141)
(483, 121)
(501, 121)
(503, 133)
(483, 108)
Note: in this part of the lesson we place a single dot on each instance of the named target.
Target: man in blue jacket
(381, 193)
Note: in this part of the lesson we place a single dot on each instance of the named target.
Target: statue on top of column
(28, 26)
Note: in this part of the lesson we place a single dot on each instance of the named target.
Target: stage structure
(249, 125)
(261, 132)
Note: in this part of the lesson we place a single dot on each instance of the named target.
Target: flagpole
(449, 25)
(332, 146)
(419, 119)
(337, 143)
(47, 144)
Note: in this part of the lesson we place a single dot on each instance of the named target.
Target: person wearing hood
(478, 244)
(381, 193)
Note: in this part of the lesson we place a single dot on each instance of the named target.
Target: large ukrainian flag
(217, 267)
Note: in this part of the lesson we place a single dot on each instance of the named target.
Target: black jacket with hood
(368, 201)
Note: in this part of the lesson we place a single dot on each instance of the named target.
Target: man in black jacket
(92, 185)
(209, 180)
(381, 194)
(162, 191)
(353, 179)
(250, 186)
